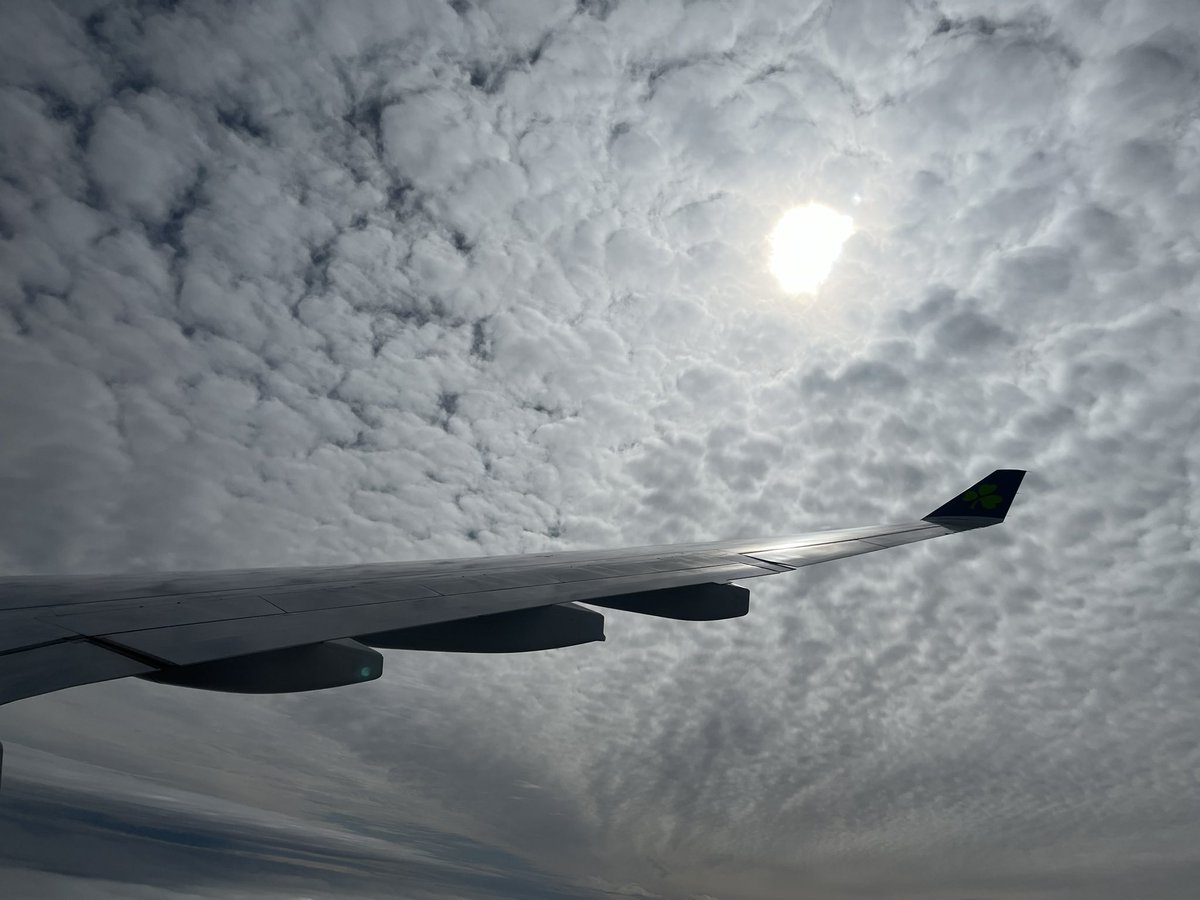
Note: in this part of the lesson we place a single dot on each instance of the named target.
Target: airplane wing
(294, 629)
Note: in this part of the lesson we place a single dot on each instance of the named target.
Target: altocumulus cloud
(318, 283)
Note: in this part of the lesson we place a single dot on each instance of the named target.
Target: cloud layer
(302, 283)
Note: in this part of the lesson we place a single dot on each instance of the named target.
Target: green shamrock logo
(985, 495)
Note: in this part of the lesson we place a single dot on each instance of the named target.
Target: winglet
(984, 503)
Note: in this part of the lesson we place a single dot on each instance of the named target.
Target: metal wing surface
(270, 630)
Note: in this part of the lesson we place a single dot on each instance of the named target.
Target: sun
(805, 245)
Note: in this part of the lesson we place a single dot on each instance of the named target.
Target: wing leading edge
(277, 630)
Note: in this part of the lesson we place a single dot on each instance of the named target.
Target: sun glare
(805, 245)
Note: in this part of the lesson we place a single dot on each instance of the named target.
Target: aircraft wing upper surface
(274, 630)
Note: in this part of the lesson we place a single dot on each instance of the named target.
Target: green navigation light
(365, 672)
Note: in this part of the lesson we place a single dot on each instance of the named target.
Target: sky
(302, 283)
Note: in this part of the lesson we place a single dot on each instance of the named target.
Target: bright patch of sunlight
(805, 245)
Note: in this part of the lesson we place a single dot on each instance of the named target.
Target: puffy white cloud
(313, 284)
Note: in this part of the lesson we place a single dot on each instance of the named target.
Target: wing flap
(342, 595)
(51, 667)
(17, 632)
(163, 613)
